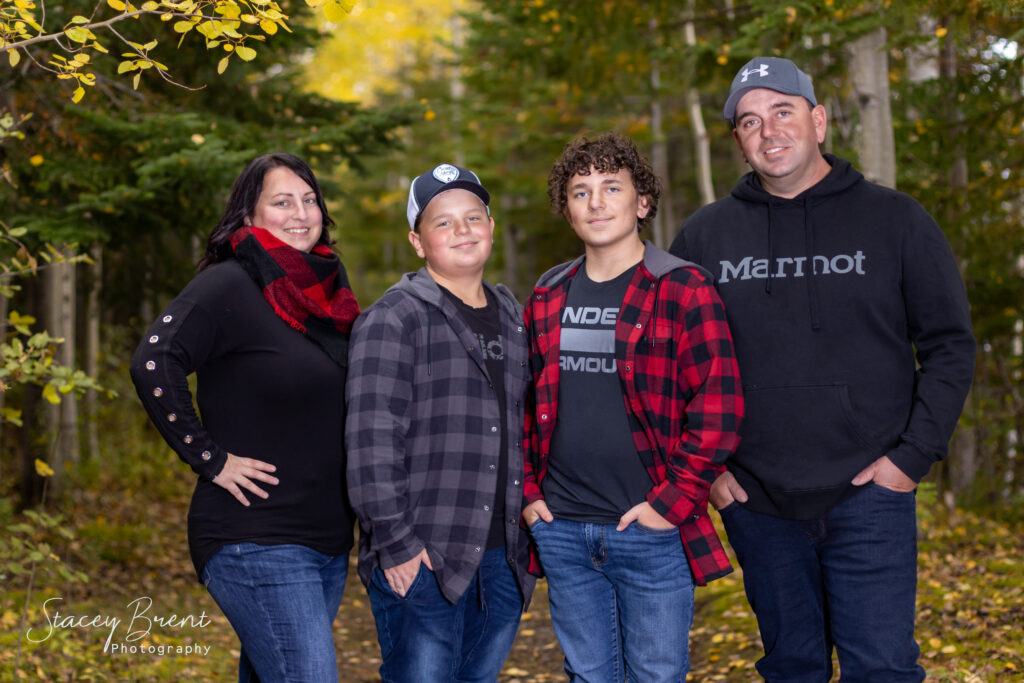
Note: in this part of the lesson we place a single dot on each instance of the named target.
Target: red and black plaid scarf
(310, 291)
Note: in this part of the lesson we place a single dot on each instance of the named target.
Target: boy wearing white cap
(437, 375)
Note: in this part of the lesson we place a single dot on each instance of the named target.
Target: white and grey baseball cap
(774, 73)
(442, 178)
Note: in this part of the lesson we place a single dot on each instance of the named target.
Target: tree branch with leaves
(67, 52)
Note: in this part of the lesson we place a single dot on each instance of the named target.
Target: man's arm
(939, 325)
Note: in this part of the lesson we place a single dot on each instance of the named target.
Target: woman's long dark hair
(242, 202)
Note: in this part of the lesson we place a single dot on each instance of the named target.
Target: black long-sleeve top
(265, 391)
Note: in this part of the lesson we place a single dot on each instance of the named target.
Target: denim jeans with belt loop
(621, 601)
(846, 579)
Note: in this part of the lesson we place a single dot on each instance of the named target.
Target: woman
(265, 327)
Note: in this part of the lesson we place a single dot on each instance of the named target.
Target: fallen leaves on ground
(130, 541)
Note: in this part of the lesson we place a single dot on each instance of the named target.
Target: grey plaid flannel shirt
(423, 434)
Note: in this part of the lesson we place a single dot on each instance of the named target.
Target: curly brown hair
(607, 153)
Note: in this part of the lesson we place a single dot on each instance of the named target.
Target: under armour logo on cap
(761, 71)
(773, 73)
(442, 178)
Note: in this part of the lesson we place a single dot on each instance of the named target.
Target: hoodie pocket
(804, 438)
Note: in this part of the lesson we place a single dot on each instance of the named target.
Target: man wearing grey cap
(855, 346)
(437, 376)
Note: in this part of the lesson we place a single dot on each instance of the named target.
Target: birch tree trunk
(92, 349)
(698, 131)
(62, 419)
(870, 77)
(664, 220)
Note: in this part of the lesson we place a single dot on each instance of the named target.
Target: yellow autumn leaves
(226, 24)
(334, 10)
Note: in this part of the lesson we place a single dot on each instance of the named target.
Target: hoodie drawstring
(768, 280)
(812, 285)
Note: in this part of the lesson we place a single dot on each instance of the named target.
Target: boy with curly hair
(635, 407)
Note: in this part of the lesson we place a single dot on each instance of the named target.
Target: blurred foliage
(512, 81)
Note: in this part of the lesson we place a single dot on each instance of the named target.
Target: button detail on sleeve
(151, 365)
(154, 339)
(494, 429)
(168, 318)
(158, 392)
(206, 455)
(188, 438)
(172, 417)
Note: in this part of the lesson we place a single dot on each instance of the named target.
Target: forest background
(118, 145)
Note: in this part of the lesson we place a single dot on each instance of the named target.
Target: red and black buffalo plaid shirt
(674, 356)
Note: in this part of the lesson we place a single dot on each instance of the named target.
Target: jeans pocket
(731, 507)
(536, 524)
(651, 531)
(381, 581)
(886, 491)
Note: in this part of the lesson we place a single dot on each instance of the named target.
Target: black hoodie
(827, 353)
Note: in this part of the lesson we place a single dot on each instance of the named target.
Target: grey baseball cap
(773, 73)
(442, 178)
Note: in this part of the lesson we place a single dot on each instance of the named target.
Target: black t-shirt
(486, 326)
(594, 471)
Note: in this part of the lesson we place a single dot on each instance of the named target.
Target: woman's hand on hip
(243, 473)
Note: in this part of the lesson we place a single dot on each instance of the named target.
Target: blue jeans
(847, 579)
(423, 637)
(281, 600)
(621, 601)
